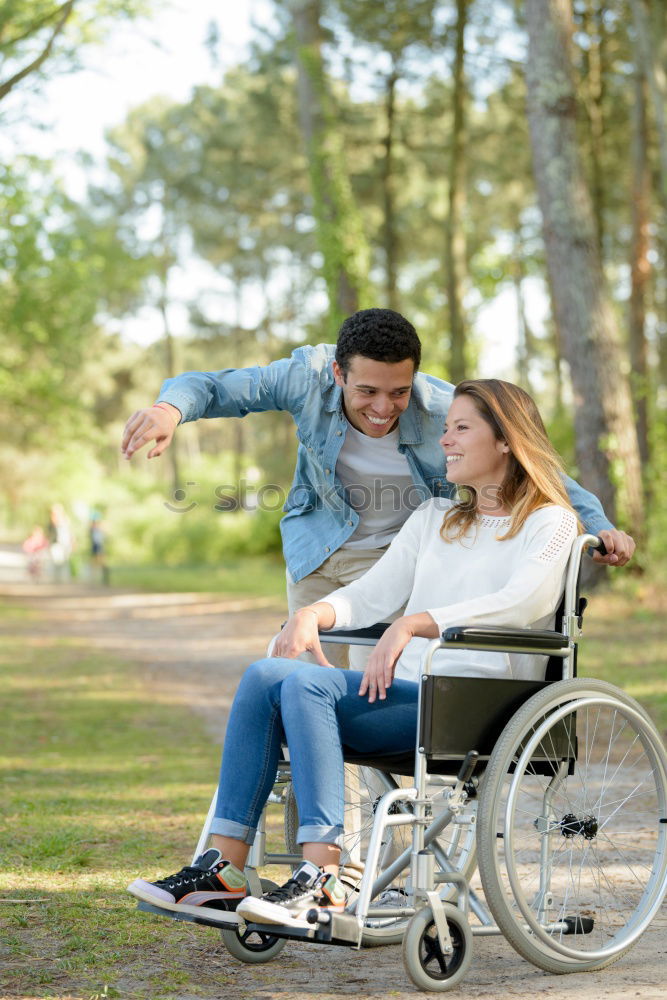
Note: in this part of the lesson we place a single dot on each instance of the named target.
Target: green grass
(625, 643)
(261, 576)
(101, 782)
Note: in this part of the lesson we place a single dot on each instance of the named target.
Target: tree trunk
(640, 267)
(656, 79)
(170, 365)
(455, 240)
(593, 20)
(238, 428)
(651, 41)
(524, 350)
(388, 190)
(604, 424)
(559, 402)
(341, 237)
(660, 306)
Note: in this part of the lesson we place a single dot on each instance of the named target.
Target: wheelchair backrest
(459, 714)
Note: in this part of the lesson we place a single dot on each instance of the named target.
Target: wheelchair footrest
(231, 921)
(342, 928)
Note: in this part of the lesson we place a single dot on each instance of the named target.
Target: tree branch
(31, 29)
(32, 67)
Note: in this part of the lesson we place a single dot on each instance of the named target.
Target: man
(368, 424)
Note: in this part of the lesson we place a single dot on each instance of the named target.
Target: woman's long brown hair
(534, 472)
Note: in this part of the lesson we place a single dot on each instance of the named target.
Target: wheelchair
(556, 790)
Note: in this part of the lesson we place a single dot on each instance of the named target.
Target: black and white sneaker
(307, 889)
(210, 888)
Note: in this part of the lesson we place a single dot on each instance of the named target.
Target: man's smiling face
(375, 393)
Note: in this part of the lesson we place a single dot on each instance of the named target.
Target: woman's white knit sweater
(478, 580)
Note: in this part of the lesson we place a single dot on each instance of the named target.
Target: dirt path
(194, 648)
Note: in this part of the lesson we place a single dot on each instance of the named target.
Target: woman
(497, 556)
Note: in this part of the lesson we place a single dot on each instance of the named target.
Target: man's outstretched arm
(232, 392)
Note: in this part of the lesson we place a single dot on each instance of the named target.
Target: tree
(343, 244)
(604, 424)
(27, 26)
(455, 239)
(640, 267)
(648, 43)
(392, 41)
(61, 268)
(34, 31)
(218, 179)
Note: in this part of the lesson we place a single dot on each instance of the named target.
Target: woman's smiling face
(475, 457)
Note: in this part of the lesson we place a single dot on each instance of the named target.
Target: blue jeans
(316, 711)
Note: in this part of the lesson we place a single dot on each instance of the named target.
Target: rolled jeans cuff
(320, 835)
(230, 828)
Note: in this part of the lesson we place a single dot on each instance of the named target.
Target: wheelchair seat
(460, 714)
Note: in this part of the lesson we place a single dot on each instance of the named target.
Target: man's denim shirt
(318, 519)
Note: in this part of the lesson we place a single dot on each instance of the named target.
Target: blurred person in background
(61, 543)
(35, 547)
(97, 539)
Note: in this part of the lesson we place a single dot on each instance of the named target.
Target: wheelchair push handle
(601, 547)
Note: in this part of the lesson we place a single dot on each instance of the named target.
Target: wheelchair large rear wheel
(572, 832)
(455, 846)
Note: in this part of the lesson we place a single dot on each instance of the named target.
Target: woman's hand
(379, 672)
(300, 634)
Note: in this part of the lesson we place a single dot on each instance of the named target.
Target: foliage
(59, 268)
(150, 535)
(222, 179)
(38, 35)
(342, 241)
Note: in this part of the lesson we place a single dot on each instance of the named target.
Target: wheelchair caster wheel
(250, 946)
(425, 963)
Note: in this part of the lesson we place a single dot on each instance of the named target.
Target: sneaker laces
(188, 874)
(292, 888)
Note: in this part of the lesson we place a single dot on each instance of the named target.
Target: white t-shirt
(379, 487)
(477, 580)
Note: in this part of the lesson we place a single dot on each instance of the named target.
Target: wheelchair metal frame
(424, 879)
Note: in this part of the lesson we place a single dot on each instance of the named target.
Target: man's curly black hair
(378, 334)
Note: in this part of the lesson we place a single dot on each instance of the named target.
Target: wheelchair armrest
(355, 636)
(492, 637)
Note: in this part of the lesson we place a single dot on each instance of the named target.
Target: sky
(166, 55)
(161, 55)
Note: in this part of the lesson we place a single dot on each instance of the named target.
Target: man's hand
(156, 423)
(300, 635)
(619, 546)
(379, 672)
